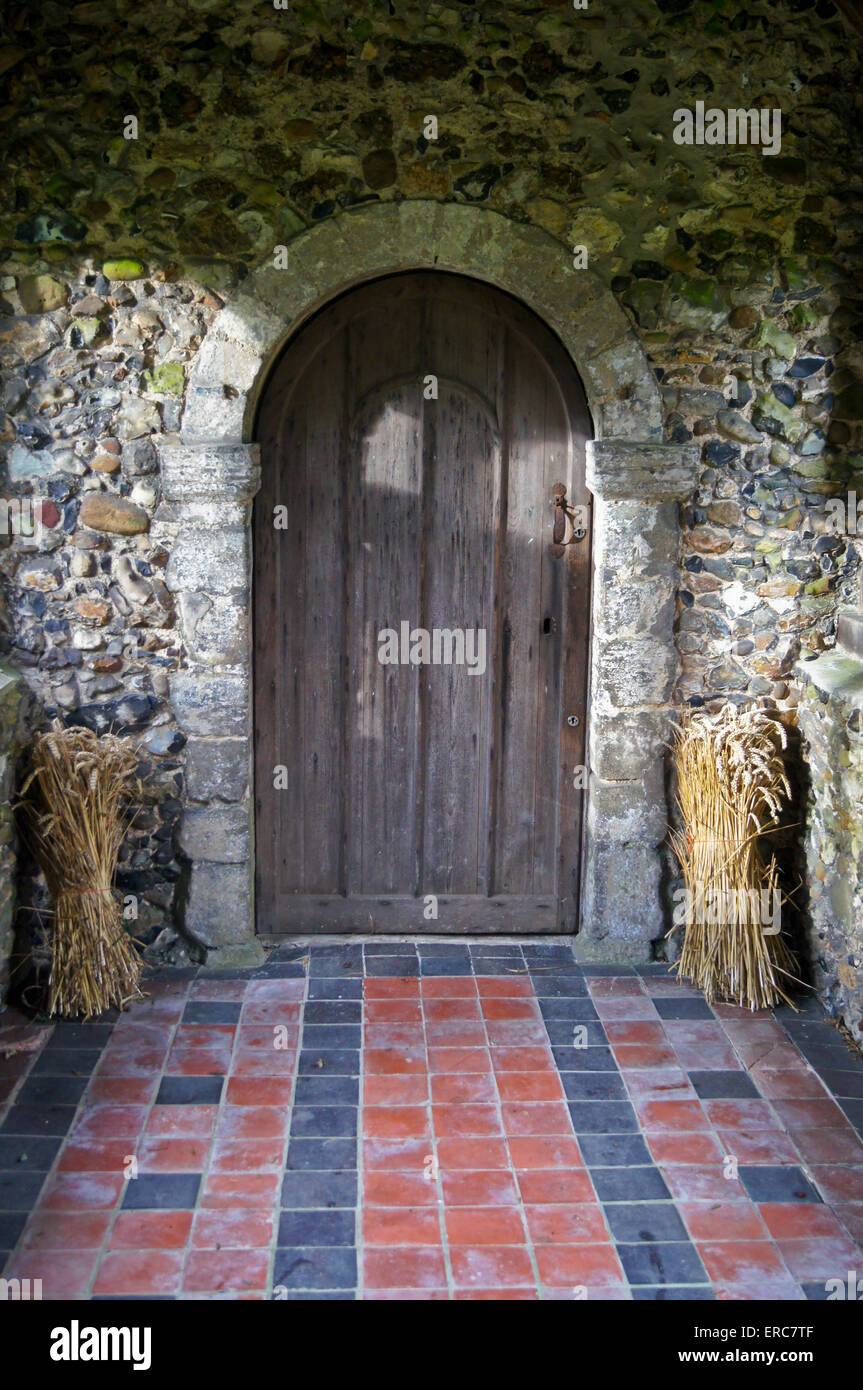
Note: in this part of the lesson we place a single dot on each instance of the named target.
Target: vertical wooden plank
(462, 466)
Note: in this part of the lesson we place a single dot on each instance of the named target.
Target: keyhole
(547, 626)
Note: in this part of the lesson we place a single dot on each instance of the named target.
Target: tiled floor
(485, 1120)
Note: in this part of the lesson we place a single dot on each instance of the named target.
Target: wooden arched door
(421, 645)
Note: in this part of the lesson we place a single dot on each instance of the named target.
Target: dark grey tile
(162, 1192)
(593, 1085)
(62, 1061)
(318, 1190)
(335, 960)
(389, 948)
(332, 1011)
(317, 1228)
(617, 1150)
(624, 1184)
(329, 1037)
(765, 1182)
(723, 1085)
(456, 950)
(649, 1221)
(38, 1119)
(662, 1262)
(319, 1154)
(568, 1006)
(339, 1062)
(329, 988)
(52, 1090)
(190, 1090)
(603, 1117)
(68, 1036)
(445, 965)
(18, 1191)
(279, 971)
(25, 1154)
(669, 1007)
(664, 1293)
(308, 1267)
(211, 1011)
(319, 1296)
(327, 1090)
(12, 1224)
(563, 984)
(581, 1059)
(392, 967)
(323, 1121)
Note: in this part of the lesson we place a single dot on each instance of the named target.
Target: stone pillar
(208, 490)
(636, 489)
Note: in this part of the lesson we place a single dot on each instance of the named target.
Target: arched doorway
(420, 643)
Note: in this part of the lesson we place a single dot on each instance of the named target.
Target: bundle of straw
(731, 786)
(76, 813)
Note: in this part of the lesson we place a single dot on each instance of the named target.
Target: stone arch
(211, 474)
(250, 331)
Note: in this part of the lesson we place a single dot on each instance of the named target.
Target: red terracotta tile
(455, 1033)
(472, 1153)
(397, 1155)
(204, 1063)
(684, 1148)
(839, 1184)
(265, 1090)
(459, 1061)
(567, 1225)
(245, 1229)
(554, 1152)
(758, 1146)
(286, 990)
(691, 1182)
(518, 1033)
(644, 1056)
(258, 1190)
(401, 1226)
(509, 1009)
(498, 1225)
(225, 991)
(396, 1122)
(633, 1008)
(452, 1010)
(810, 1114)
(392, 1011)
(392, 1061)
(741, 1261)
(479, 1188)
(144, 1062)
(740, 1114)
(262, 1012)
(659, 1083)
(400, 1035)
(109, 1122)
(96, 1155)
(790, 1085)
(529, 1085)
(414, 1267)
(395, 1090)
(734, 1220)
(448, 987)
(532, 1117)
(182, 1121)
(139, 1271)
(122, 1090)
(172, 1155)
(405, 1295)
(395, 988)
(568, 1266)
(82, 1191)
(614, 987)
(495, 1295)
(671, 1116)
(226, 1269)
(852, 1219)
(475, 1088)
(247, 1155)
(705, 1057)
(463, 1121)
(840, 1146)
(555, 1185)
(65, 1275)
(773, 1290)
(263, 1064)
(58, 1230)
(395, 1189)
(799, 1220)
(251, 1121)
(151, 1230)
(634, 1031)
(523, 1059)
(488, 1266)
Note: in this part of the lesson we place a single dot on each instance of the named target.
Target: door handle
(567, 523)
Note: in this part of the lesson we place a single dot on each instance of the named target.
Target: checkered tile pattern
(455, 1120)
